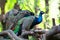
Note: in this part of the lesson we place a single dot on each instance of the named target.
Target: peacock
(36, 21)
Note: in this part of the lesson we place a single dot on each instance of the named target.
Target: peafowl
(29, 24)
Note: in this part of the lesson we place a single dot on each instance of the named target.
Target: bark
(2, 5)
(11, 34)
(50, 35)
(46, 13)
(53, 20)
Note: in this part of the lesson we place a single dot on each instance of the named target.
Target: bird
(37, 20)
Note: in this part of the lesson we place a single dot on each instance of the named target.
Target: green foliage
(9, 5)
(0, 27)
(25, 4)
(0, 10)
(32, 38)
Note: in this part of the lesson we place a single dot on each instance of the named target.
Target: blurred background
(50, 7)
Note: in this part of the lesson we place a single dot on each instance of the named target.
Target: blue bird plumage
(37, 20)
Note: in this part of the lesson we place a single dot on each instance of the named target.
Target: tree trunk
(46, 13)
(2, 5)
(53, 20)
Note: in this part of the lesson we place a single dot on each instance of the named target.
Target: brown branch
(7, 33)
(11, 34)
(50, 34)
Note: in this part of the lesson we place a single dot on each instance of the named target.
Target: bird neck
(39, 19)
(40, 15)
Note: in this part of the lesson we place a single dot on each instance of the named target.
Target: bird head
(41, 12)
